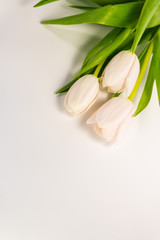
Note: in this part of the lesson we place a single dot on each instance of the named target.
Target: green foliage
(125, 45)
(101, 56)
(66, 87)
(105, 41)
(147, 92)
(84, 8)
(121, 15)
(154, 74)
(106, 2)
(43, 2)
(148, 11)
(106, 51)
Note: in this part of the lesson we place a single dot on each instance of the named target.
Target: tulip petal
(91, 103)
(118, 87)
(118, 68)
(112, 113)
(92, 119)
(109, 134)
(97, 130)
(112, 117)
(132, 76)
(125, 125)
(82, 94)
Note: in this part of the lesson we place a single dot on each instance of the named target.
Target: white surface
(57, 179)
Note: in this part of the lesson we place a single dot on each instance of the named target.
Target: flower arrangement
(113, 64)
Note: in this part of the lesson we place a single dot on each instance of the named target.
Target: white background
(58, 180)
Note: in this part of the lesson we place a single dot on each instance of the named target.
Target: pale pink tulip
(82, 94)
(121, 73)
(112, 117)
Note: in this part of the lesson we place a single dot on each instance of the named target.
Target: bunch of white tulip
(119, 76)
(123, 74)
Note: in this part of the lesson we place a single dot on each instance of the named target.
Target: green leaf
(68, 85)
(116, 94)
(148, 35)
(106, 51)
(122, 15)
(100, 57)
(147, 92)
(105, 41)
(149, 9)
(84, 8)
(152, 76)
(43, 2)
(155, 21)
(106, 2)
(156, 62)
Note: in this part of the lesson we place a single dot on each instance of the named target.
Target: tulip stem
(98, 69)
(143, 70)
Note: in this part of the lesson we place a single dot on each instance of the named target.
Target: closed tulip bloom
(82, 94)
(121, 73)
(110, 120)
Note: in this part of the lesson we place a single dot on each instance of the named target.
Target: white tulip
(110, 120)
(82, 94)
(121, 73)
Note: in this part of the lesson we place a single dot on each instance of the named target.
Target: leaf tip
(36, 5)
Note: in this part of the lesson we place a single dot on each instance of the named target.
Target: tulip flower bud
(121, 73)
(82, 94)
(112, 117)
